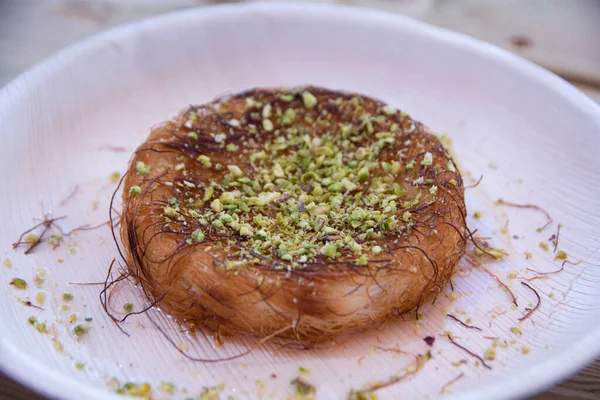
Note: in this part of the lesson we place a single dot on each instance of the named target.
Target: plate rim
(540, 377)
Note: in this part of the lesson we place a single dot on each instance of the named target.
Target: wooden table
(560, 35)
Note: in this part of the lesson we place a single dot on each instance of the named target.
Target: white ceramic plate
(73, 120)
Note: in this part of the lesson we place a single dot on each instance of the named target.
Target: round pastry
(305, 212)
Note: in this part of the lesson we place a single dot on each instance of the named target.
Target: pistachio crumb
(204, 161)
(267, 125)
(245, 231)
(128, 307)
(309, 99)
(40, 298)
(198, 235)
(544, 246)
(135, 390)
(387, 110)
(135, 190)
(561, 255)
(142, 168)
(80, 330)
(329, 250)
(115, 176)
(302, 370)
(302, 387)
(235, 170)
(362, 260)
(167, 387)
(42, 328)
(427, 159)
(216, 205)
(58, 346)
(192, 135)
(18, 283)
(450, 166)
(490, 354)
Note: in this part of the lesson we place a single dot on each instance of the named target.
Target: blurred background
(560, 35)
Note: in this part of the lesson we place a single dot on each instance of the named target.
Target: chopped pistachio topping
(235, 170)
(198, 235)
(544, 246)
(450, 166)
(135, 190)
(516, 330)
(267, 125)
(204, 160)
(216, 205)
(67, 297)
(142, 168)
(317, 187)
(309, 99)
(387, 110)
(427, 159)
(192, 135)
(289, 117)
(127, 307)
(362, 260)
(7, 263)
(18, 283)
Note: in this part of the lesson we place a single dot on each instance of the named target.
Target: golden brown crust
(322, 297)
